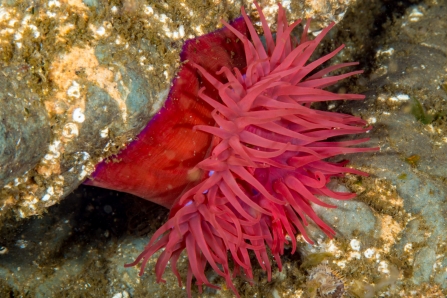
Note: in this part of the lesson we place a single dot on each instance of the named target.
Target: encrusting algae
(151, 34)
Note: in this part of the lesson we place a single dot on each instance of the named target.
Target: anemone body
(160, 163)
(268, 160)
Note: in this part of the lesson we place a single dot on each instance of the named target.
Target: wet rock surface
(101, 71)
(24, 128)
(70, 97)
(410, 124)
(390, 239)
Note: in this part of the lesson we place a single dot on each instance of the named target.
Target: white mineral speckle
(142, 59)
(83, 173)
(399, 97)
(341, 264)
(101, 31)
(286, 4)
(163, 18)
(369, 253)
(355, 244)
(18, 36)
(198, 29)
(408, 247)
(21, 213)
(70, 130)
(383, 267)
(355, 255)
(36, 32)
(22, 243)
(104, 133)
(48, 156)
(148, 10)
(159, 102)
(78, 115)
(124, 294)
(54, 151)
(85, 155)
(403, 97)
(415, 15)
(4, 14)
(388, 52)
(54, 3)
(50, 190)
(51, 14)
(74, 90)
(47, 196)
(54, 147)
(181, 31)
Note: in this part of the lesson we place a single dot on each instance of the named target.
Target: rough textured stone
(410, 68)
(106, 118)
(397, 220)
(24, 128)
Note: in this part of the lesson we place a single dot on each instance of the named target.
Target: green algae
(313, 260)
(421, 115)
(402, 176)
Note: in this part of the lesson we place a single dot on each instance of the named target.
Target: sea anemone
(268, 160)
(160, 163)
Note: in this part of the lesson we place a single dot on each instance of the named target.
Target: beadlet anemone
(238, 153)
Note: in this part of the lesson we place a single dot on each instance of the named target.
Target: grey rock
(102, 113)
(24, 128)
(415, 69)
(423, 265)
(91, 3)
(349, 216)
(85, 256)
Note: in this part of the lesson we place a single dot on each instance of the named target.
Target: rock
(390, 240)
(101, 72)
(349, 218)
(409, 117)
(397, 222)
(90, 96)
(24, 129)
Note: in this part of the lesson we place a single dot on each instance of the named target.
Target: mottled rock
(410, 125)
(403, 199)
(349, 218)
(101, 72)
(24, 128)
(115, 110)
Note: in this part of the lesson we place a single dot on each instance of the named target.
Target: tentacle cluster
(269, 162)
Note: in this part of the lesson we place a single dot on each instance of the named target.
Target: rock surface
(101, 72)
(407, 105)
(24, 129)
(390, 240)
(74, 91)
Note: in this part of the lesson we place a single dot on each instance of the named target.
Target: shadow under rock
(89, 218)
